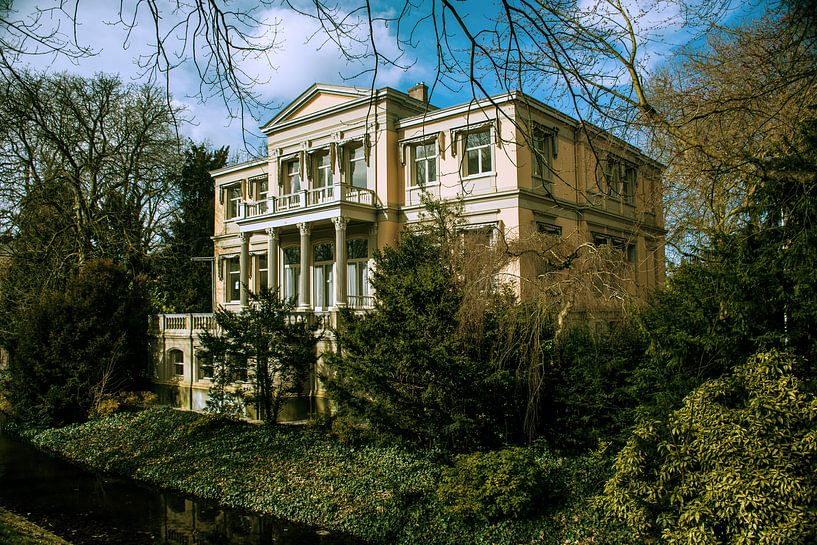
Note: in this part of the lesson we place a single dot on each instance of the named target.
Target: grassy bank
(381, 495)
(15, 530)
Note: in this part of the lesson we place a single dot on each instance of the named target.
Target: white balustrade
(307, 198)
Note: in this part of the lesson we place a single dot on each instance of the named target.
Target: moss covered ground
(378, 494)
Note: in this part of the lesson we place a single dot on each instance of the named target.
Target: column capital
(272, 232)
(340, 223)
(244, 237)
(304, 228)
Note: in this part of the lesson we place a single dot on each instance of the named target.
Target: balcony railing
(178, 323)
(338, 193)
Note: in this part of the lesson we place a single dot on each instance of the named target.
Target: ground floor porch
(183, 379)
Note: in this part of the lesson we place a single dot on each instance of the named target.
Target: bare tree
(84, 168)
(216, 38)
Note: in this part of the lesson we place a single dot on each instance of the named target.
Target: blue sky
(304, 56)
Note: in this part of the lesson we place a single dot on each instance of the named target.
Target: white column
(244, 267)
(272, 260)
(304, 296)
(340, 260)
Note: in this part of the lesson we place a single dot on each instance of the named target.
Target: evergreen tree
(75, 346)
(259, 355)
(404, 372)
(185, 285)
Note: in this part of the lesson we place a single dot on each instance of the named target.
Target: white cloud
(305, 57)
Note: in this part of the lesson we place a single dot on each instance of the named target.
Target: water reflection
(189, 522)
(89, 509)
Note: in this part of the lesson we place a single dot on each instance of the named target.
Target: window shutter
(366, 148)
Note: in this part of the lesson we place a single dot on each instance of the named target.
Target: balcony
(310, 198)
(188, 325)
(179, 324)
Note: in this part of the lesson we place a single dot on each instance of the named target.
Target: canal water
(85, 508)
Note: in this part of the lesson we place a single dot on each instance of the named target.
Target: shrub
(492, 485)
(734, 465)
(123, 401)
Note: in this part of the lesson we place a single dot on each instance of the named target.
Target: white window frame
(262, 259)
(232, 201)
(358, 289)
(321, 170)
(231, 284)
(176, 362)
(472, 229)
(482, 171)
(288, 176)
(323, 277)
(427, 160)
(262, 193)
(292, 275)
(355, 162)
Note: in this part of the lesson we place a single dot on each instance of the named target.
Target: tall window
(543, 153)
(292, 272)
(233, 280)
(262, 193)
(478, 152)
(323, 170)
(233, 205)
(324, 261)
(357, 272)
(205, 366)
(621, 178)
(291, 179)
(357, 167)
(263, 267)
(177, 362)
(425, 164)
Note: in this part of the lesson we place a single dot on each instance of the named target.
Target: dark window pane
(292, 255)
(357, 248)
(324, 252)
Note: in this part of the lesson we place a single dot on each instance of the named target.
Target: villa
(346, 169)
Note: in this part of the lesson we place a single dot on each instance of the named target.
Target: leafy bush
(123, 401)
(492, 485)
(734, 465)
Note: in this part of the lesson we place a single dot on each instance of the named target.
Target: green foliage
(72, 348)
(263, 346)
(752, 290)
(734, 465)
(492, 485)
(380, 495)
(403, 371)
(183, 285)
(590, 393)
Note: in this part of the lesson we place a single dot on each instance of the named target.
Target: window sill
(471, 177)
(423, 187)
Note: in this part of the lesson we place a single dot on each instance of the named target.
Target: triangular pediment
(315, 99)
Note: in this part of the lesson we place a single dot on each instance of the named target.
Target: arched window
(176, 359)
